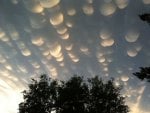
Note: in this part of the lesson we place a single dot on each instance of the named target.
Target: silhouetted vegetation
(145, 17)
(143, 74)
(73, 96)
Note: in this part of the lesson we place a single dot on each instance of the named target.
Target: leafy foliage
(40, 97)
(144, 73)
(145, 17)
(105, 97)
(73, 96)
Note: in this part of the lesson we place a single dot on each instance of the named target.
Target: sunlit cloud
(49, 3)
(65, 36)
(88, 9)
(124, 78)
(53, 71)
(134, 49)
(2, 59)
(62, 30)
(14, 1)
(56, 52)
(35, 64)
(132, 52)
(33, 6)
(57, 19)
(138, 47)
(5, 72)
(99, 54)
(62, 64)
(119, 70)
(60, 59)
(46, 52)
(2, 33)
(59, 55)
(22, 68)
(4, 84)
(106, 74)
(8, 66)
(84, 50)
(37, 21)
(49, 57)
(136, 105)
(107, 42)
(69, 24)
(105, 34)
(73, 57)
(146, 1)
(117, 82)
(89, 1)
(122, 3)
(104, 64)
(14, 34)
(109, 60)
(20, 44)
(102, 59)
(5, 38)
(107, 9)
(132, 36)
(44, 61)
(71, 12)
(26, 52)
(69, 47)
(15, 81)
(38, 41)
(10, 95)
(105, 69)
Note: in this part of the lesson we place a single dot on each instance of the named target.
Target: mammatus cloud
(60, 38)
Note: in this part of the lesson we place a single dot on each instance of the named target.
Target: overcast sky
(66, 37)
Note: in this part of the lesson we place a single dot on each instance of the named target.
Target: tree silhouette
(73, 96)
(40, 97)
(105, 97)
(143, 74)
(145, 17)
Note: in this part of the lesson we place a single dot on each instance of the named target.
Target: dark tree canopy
(105, 97)
(73, 96)
(40, 97)
(143, 74)
(145, 17)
